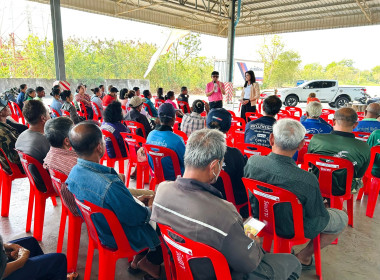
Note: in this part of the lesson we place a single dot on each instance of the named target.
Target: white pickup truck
(326, 91)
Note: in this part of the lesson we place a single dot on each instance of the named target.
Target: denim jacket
(102, 186)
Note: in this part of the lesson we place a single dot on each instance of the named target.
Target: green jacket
(343, 145)
(374, 140)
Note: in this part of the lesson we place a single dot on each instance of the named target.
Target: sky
(361, 44)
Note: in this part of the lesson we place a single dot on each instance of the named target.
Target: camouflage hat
(3, 101)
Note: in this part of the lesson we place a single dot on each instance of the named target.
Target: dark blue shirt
(115, 129)
(315, 126)
(368, 125)
(258, 131)
(102, 186)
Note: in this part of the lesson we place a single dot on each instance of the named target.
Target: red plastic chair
(326, 166)
(142, 168)
(228, 189)
(326, 113)
(96, 111)
(55, 112)
(238, 137)
(303, 151)
(6, 184)
(371, 184)
(183, 252)
(177, 122)
(118, 156)
(66, 113)
(37, 196)
(254, 115)
(158, 102)
(282, 115)
(238, 123)
(75, 224)
(182, 134)
(18, 113)
(182, 105)
(252, 149)
(232, 113)
(107, 256)
(157, 153)
(267, 200)
(146, 106)
(363, 136)
(11, 108)
(361, 114)
(294, 112)
(83, 110)
(134, 126)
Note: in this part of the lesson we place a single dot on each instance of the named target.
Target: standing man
(215, 91)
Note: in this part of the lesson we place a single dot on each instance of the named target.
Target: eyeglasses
(215, 76)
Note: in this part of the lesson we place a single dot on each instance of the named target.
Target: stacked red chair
(267, 200)
(182, 105)
(250, 116)
(157, 153)
(132, 143)
(118, 156)
(107, 256)
(303, 151)
(326, 166)
(188, 250)
(252, 149)
(371, 184)
(39, 192)
(6, 184)
(75, 224)
(134, 126)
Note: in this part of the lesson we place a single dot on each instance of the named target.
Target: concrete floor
(357, 256)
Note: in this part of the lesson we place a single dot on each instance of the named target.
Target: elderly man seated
(313, 124)
(135, 114)
(342, 143)
(194, 208)
(279, 169)
(370, 122)
(106, 190)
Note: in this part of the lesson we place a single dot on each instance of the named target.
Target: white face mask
(216, 175)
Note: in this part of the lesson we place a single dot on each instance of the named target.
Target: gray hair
(288, 134)
(56, 130)
(203, 147)
(314, 109)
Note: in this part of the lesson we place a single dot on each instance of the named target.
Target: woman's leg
(243, 110)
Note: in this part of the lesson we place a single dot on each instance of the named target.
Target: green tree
(285, 68)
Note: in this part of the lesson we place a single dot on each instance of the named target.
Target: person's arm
(221, 85)
(255, 92)
(181, 154)
(209, 91)
(21, 258)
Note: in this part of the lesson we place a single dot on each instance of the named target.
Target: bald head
(373, 111)
(85, 138)
(346, 117)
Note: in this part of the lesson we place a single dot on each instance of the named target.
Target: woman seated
(112, 123)
(24, 259)
(148, 96)
(96, 99)
(30, 94)
(67, 98)
(56, 104)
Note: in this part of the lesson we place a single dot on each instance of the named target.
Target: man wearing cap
(110, 97)
(194, 121)
(40, 93)
(163, 136)
(136, 103)
(215, 91)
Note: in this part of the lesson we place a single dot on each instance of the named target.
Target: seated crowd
(75, 145)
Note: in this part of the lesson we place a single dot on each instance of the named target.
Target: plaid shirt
(192, 122)
(83, 97)
(63, 161)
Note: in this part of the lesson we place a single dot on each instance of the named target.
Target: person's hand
(23, 254)
(207, 107)
(150, 201)
(122, 177)
(12, 250)
(254, 238)
(145, 198)
(246, 102)
(157, 121)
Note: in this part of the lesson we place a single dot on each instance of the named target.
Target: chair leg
(139, 177)
(372, 196)
(6, 186)
(317, 256)
(128, 174)
(39, 216)
(54, 200)
(90, 256)
(350, 211)
(121, 166)
(30, 209)
(107, 266)
(73, 242)
(62, 227)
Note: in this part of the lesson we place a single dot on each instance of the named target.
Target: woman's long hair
(253, 78)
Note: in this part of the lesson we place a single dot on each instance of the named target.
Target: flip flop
(309, 266)
(72, 276)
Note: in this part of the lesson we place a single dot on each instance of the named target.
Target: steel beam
(365, 9)
(59, 55)
(231, 43)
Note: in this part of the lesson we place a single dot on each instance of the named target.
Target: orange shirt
(311, 99)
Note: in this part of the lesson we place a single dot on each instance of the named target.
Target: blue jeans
(39, 266)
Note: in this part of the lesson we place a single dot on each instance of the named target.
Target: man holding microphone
(215, 91)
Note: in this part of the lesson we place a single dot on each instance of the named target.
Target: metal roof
(257, 17)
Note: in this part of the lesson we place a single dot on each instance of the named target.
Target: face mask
(216, 176)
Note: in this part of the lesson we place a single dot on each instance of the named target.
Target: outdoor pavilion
(224, 18)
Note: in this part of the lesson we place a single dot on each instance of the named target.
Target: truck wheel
(291, 100)
(341, 102)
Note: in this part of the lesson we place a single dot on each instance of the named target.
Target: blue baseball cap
(222, 117)
(166, 110)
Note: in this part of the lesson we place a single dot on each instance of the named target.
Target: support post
(231, 42)
(59, 56)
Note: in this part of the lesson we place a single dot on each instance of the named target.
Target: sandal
(72, 276)
(309, 266)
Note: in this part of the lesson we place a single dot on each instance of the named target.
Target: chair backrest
(96, 111)
(374, 152)
(182, 134)
(38, 176)
(326, 114)
(158, 102)
(363, 136)
(238, 137)
(237, 122)
(83, 109)
(134, 126)
(282, 115)
(232, 113)
(115, 145)
(55, 112)
(157, 153)
(66, 113)
(146, 106)
(15, 170)
(267, 199)
(88, 209)
(58, 178)
(183, 252)
(177, 122)
(11, 108)
(256, 115)
(18, 113)
(134, 143)
(252, 149)
(294, 112)
(228, 189)
(326, 166)
(182, 105)
(303, 151)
